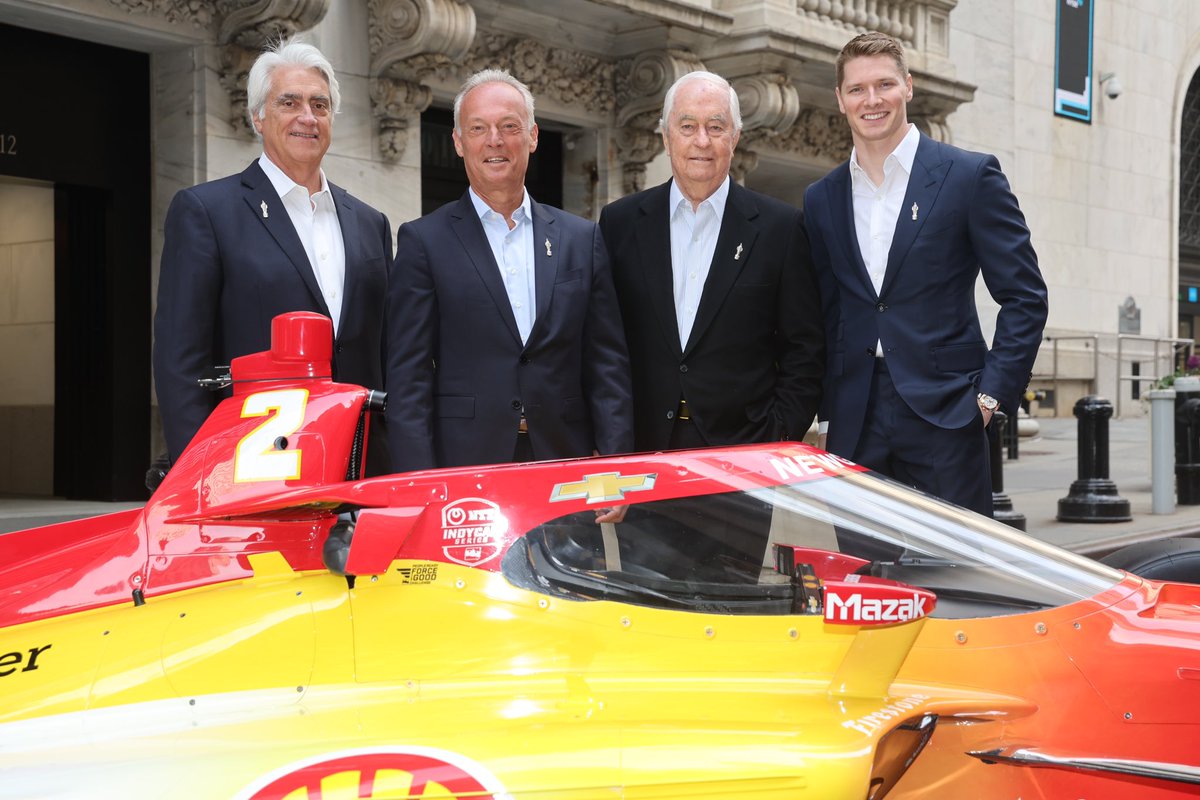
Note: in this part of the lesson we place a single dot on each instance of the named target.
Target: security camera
(1112, 85)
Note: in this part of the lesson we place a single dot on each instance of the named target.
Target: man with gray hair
(716, 289)
(278, 237)
(504, 342)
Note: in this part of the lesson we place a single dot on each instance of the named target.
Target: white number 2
(258, 456)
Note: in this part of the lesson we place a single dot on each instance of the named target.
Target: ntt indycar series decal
(848, 603)
(378, 773)
(472, 531)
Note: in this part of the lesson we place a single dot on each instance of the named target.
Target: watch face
(990, 403)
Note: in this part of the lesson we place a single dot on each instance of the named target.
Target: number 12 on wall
(260, 456)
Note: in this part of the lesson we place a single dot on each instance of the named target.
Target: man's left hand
(613, 514)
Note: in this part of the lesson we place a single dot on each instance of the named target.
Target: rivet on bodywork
(1077, 626)
(961, 637)
(1040, 629)
(374, 579)
(460, 584)
(626, 622)
(793, 633)
(709, 632)
(543, 603)
(1128, 715)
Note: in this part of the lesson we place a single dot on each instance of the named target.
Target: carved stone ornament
(742, 164)
(566, 76)
(199, 14)
(817, 134)
(235, 66)
(636, 147)
(769, 102)
(394, 103)
(409, 40)
(641, 82)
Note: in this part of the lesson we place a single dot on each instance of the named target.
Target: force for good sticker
(473, 531)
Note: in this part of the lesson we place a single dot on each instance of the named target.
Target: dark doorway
(79, 118)
(443, 178)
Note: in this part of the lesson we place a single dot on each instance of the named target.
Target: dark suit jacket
(751, 371)
(458, 375)
(967, 222)
(227, 270)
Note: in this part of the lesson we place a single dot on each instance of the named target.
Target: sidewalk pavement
(1035, 482)
(1046, 466)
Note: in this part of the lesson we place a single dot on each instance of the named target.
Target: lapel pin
(738, 253)
(264, 208)
(548, 246)
(914, 212)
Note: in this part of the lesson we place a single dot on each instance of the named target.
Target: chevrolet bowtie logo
(604, 487)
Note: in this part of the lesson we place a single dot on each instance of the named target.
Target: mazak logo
(872, 604)
(369, 773)
(473, 530)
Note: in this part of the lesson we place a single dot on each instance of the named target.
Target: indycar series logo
(473, 530)
(418, 772)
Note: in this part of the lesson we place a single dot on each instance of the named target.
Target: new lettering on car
(852, 603)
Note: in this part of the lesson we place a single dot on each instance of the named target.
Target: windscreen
(717, 552)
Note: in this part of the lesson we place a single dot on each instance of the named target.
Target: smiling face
(495, 140)
(297, 122)
(700, 137)
(874, 97)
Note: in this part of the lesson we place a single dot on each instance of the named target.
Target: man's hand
(987, 416)
(613, 514)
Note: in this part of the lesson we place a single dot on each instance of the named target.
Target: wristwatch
(987, 402)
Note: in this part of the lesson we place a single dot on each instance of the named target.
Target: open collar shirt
(513, 251)
(693, 243)
(316, 222)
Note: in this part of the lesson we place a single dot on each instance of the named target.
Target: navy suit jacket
(752, 367)
(227, 270)
(967, 222)
(458, 375)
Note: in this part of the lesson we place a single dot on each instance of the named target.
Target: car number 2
(262, 454)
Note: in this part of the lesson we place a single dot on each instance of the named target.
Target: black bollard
(1187, 447)
(1002, 507)
(1012, 437)
(1093, 497)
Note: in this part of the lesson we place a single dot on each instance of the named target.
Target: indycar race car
(766, 622)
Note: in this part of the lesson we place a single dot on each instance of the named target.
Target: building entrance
(74, 268)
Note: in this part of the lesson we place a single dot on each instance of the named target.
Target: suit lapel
(547, 255)
(352, 243)
(735, 243)
(842, 210)
(928, 174)
(268, 208)
(469, 230)
(654, 245)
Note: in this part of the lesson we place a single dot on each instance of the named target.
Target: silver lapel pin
(264, 208)
(738, 254)
(548, 247)
(914, 212)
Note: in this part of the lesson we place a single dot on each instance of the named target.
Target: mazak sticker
(473, 530)
(602, 487)
(848, 603)
(376, 773)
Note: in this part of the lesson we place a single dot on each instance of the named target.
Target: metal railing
(1176, 346)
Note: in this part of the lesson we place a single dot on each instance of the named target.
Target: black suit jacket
(228, 269)
(966, 222)
(458, 375)
(751, 370)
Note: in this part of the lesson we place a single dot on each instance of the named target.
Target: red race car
(767, 621)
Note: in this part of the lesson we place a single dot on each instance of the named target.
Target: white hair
(493, 76)
(735, 108)
(285, 53)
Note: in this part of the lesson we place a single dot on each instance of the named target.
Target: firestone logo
(473, 531)
(857, 606)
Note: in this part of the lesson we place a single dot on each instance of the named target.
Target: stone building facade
(1103, 199)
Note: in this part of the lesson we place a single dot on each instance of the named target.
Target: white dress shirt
(693, 243)
(513, 250)
(877, 208)
(316, 222)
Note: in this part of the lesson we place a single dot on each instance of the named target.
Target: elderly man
(722, 316)
(504, 343)
(900, 233)
(278, 237)
(716, 290)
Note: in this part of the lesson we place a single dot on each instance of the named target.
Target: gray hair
(285, 53)
(493, 76)
(735, 108)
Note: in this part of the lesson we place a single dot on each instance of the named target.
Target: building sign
(1073, 60)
